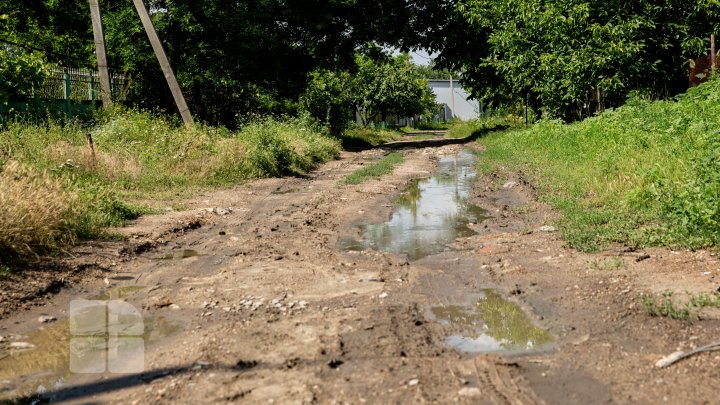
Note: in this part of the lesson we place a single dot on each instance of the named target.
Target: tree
(395, 87)
(570, 58)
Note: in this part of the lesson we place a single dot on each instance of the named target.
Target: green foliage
(327, 98)
(60, 30)
(141, 158)
(377, 88)
(20, 73)
(643, 174)
(570, 59)
(385, 166)
(394, 87)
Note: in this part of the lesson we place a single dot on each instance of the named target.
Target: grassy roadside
(52, 190)
(359, 137)
(384, 166)
(647, 173)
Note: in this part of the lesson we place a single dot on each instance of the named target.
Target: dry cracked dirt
(305, 290)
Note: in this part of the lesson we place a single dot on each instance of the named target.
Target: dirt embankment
(249, 297)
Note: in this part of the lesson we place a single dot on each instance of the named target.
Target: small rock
(383, 295)
(509, 184)
(547, 228)
(41, 389)
(413, 382)
(21, 345)
(469, 392)
(302, 304)
(46, 319)
(174, 306)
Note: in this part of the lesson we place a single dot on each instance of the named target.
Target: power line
(7, 41)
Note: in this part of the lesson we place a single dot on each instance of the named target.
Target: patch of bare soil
(249, 297)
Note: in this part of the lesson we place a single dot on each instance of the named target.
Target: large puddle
(491, 324)
(45, 359)
(430, 213)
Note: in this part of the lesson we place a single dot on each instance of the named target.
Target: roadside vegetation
(667, 306)
(647, 173)
(54, 189)
(380, 168)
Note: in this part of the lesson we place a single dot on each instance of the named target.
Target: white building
(455, 100)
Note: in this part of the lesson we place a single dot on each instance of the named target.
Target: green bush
(140, 158)
(647, 173)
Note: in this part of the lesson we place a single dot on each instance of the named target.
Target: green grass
(359, 137)
(140, 160)
(613, 263)
(476, 128)
(647, 173)
(666, 307)
(384, 166)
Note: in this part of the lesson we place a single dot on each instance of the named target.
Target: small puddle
(46, 365)
(118, 292)
(429, 214)
(288, 191)
(491, 324)
(184, 254)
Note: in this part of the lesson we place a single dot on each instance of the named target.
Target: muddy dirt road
(302, 290)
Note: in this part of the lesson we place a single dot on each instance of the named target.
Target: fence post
(91, 88)
(68, 102)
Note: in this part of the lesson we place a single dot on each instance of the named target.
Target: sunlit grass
(647, 173)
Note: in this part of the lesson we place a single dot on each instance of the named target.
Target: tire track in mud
(364, 333)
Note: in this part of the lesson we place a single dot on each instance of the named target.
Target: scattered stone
(383, 295)
(547, 228)
(413, 382)
(469, 392)
(220, 211)
(46, 319)
(22, 345)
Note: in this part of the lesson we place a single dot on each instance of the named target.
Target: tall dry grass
(35, 212)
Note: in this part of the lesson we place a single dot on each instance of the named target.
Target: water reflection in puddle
(492, 324)
(429, 214)
(45, 364)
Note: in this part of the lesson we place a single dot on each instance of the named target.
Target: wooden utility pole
(713, 56)
(164, 62)
(99, 35)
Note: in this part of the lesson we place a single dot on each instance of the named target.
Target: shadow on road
(359, 145)
(83, 391)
